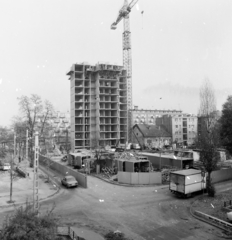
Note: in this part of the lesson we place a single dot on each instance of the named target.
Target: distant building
(148, 116)
(151, 136)
(182, 127)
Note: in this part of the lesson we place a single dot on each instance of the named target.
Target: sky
(176, 44)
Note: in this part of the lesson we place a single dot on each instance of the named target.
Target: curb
(40, 200)
(128, 185)
(209, 222)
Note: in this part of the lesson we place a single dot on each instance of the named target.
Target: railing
(68, 231)
(218, 222)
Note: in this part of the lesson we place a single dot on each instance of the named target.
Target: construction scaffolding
(99, 114)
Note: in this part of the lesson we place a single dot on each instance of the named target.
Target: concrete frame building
(98, 105)
(183, 127)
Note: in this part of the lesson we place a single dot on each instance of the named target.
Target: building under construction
(98, 105)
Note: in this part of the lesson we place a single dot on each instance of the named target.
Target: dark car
(69, 181)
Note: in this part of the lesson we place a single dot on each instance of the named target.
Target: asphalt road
(139, 212)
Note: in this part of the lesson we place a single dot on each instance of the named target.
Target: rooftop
(152, 130)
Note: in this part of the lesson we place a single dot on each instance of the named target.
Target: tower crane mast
(127, 57)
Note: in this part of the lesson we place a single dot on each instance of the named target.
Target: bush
(115, 236)
(25, 224)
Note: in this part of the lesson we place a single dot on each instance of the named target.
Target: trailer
(185, 183)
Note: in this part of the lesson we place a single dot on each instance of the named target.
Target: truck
(185, 183)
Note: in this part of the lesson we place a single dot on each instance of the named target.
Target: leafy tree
(25, 224)
(226, 124)
(208, 138)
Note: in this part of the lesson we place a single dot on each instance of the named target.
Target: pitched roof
(152, 130)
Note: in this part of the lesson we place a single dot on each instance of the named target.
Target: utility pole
(11, 171)
(27, 145)
(11, 178)
(14, 144)
(36, 177)
(67, 141)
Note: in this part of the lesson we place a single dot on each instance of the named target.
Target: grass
(213, 205)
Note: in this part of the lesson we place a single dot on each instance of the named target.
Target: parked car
(5, 166)
(69, 181)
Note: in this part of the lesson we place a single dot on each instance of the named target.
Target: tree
(25, 224)
(226, 124)
(20, 127)
(208, 138)
(6, 141)
(36, 115)
(2, 152)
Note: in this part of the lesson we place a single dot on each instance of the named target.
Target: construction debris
(165, 172)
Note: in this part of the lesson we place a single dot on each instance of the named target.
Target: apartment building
(145, 116)
(98, 105)
(183, 127)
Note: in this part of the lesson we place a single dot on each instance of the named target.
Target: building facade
(98, 105)
(151, 136)
(144, 116)
(183, 127)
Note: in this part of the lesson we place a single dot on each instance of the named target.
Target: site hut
(98, 105)
(158, 161)
(133, 165)
(77, 159)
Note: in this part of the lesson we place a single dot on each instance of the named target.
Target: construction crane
(127, 59)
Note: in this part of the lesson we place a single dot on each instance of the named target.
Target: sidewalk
(23, 187)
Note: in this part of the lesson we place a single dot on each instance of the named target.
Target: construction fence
(64, 170)
(139, 178)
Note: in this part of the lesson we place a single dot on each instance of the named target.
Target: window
(176, 126)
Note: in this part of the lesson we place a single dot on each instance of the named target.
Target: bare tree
(20, 127)
(208, 136)
(207, 102)
(36, 115)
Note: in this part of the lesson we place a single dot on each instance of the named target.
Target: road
(139, 212)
